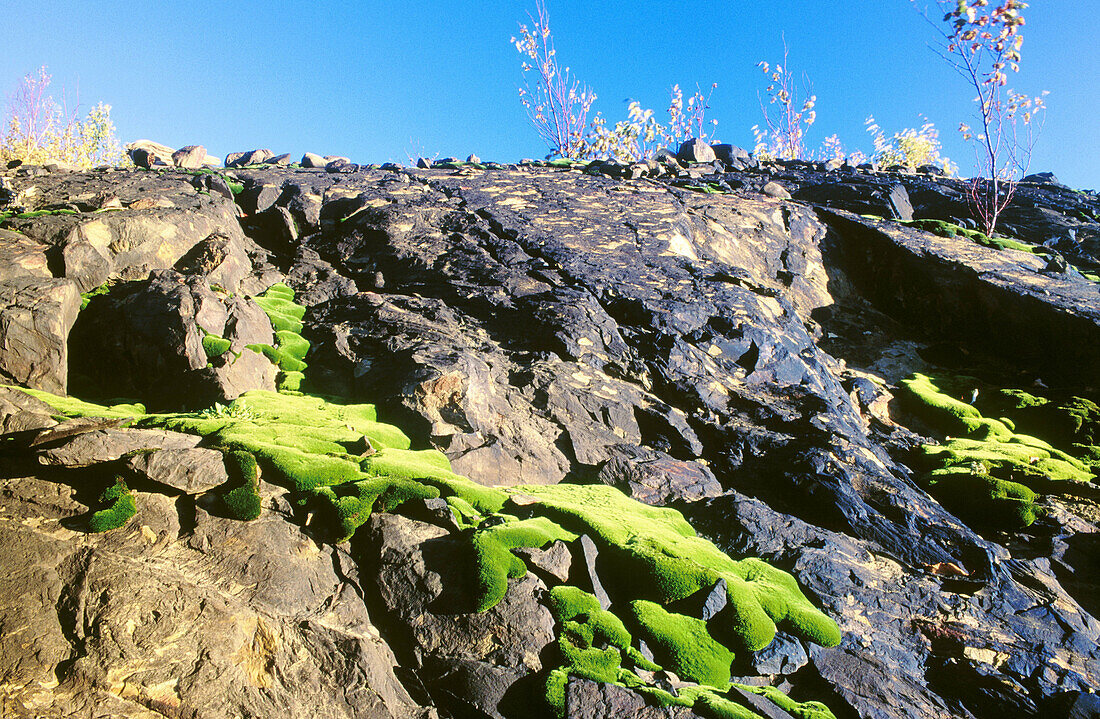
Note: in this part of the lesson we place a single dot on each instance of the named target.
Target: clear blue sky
(381, 80)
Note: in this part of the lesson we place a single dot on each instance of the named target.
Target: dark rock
(251, 157)
(785, 655)
(590, 577)
(705, 604)
(900, 207)
(107, 445)
(656, 478)
(1073, 705)
(759, 704)
(774, 189)
(341, 166)
(586, 699)
(213, 183)
(311, 160)
(21, 256)
(1043, 178)
(730, 154)
(424, 582)
(146, 154)
(261, 616)
(468, 688)
(555, 560)
(146, 339)
(21, 413)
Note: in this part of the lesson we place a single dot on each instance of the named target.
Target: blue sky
(383, 80)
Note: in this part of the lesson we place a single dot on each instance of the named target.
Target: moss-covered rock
(119, 507)
(654, 554)
(988, 471)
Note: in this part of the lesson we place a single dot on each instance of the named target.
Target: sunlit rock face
(840, 379)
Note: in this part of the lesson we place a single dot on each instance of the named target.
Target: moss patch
(318, 448)
(290, 349)
(119, 507)
(214, 346)
(654, 554)
(988, 471)
(242, 498)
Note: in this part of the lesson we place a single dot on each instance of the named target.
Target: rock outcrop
(743, 342)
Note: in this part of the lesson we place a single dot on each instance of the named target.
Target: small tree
(784, 137)
(40, 130)
(983, 45)
(557, 104)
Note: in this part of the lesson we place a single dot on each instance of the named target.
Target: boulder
(695, 151)
(191, 471)
(146, 153)
(266, 621)
(107, 445)
(36, 315)
(190, 157)
(146, 339)
(426, 588)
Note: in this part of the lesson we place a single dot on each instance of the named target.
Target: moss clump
(283, 360)
(73, 407)
(214, 346)
(278, 303)
(301, 442)
(290, 349)
(495, 563)
(989, 470)
(948, 229)
(119, 508)
(684, 644)
(242, 499)
(654, 553)
(979, 498)
(349, 505)
(87, 297)
(948, 414)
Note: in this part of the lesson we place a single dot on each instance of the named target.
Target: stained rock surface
(690, 339)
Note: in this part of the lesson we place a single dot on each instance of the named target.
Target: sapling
(556, 103)
(983, 45)
(784, 136)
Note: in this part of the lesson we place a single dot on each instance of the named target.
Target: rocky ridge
(722, 337)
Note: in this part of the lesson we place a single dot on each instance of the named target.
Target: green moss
(34, 214)
(556, 681)
(290, 381)
(801, 710)
(495, 563)
(349, 505)
(949, 414)
(86, 297)
(73, 407)
(278, 303)
(653, 553)
(119, 508)
(987, 471)
(684, 644)
(464, 512)
(242, 499)
(214, 346)
(983, 500)
(292, 344)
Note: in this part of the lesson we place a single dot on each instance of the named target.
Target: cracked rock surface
(737, 356)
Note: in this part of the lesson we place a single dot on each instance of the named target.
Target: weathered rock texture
(735, 355)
